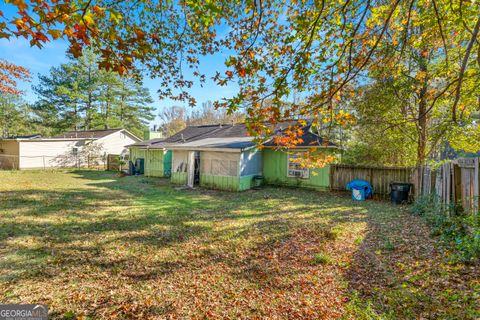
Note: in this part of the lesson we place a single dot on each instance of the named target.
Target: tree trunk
(107, 108)
(422, 121)
(89, 101)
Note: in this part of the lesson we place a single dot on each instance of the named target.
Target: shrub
(454, 226)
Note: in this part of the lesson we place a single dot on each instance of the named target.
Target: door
(191, 169)
(167, 163)
(196, 179)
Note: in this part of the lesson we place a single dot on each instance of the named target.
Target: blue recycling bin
(361, 189)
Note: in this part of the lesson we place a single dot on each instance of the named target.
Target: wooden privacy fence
(114, 164)
(379, 177)
(454, 182)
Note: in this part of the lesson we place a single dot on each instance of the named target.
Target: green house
(280, 170)
(224, 157)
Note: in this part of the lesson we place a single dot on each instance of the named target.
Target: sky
(39, 61)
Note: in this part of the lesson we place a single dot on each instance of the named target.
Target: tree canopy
(175, 118)
(323, 50)
(9, 75)
(16, 117)
(80, 96)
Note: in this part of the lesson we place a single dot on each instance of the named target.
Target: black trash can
(257, 182)
(399, 192)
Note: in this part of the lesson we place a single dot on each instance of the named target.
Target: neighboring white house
(31, 152)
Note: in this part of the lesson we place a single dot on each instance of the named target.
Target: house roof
(194, 133)
(37, 138)
(87, 134)
(232, 144)
(32, 136)
(227, 136)
(309, 139)
(72, 136)
(147, 143)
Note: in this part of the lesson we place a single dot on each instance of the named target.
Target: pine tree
(79, 96)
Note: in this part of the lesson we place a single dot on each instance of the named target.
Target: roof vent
(181, 136)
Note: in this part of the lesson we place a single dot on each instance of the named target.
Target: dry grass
(92, 245)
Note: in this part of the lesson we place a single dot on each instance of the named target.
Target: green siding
(157, 162)
(246, 182)
(154, 163)
(220, 182)
(179, 178)
(275, 172)
(136, 153)
(167, 163)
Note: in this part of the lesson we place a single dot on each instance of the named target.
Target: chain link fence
(13, 162)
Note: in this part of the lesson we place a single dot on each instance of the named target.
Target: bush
(453, 225)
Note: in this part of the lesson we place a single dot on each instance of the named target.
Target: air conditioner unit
(304, 174)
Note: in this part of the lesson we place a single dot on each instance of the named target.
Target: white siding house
(116, 142)
(62, 150)
(44, 153)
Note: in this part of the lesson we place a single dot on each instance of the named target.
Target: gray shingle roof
(215, 143)
(309, 139)
(147, 143)
(93, 134)
(227, 131)
(32, 136)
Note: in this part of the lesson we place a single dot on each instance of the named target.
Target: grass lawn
(93, 245)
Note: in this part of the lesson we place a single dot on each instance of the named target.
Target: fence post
(475, 186)
(457, 184)
(43, 157)
(448, 176)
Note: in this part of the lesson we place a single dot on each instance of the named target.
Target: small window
(74, 151)
(295, 169)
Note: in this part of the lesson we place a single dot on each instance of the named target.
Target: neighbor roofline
(48, 139)
(134, 145)
(115, 131)
(187, 148)
(132, 134)
(302, 147)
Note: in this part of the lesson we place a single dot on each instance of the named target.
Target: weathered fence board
(455, 182)
(379, 177)
(469, 184)
(114, 163)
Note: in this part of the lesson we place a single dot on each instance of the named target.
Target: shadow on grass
(141, 230)
(399, 271)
